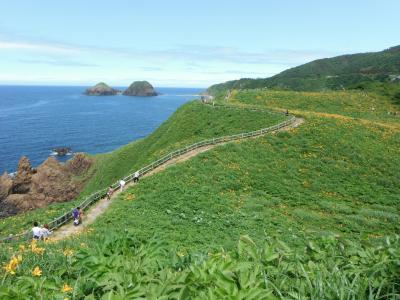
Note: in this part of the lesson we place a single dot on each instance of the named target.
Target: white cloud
(188, 53)
(39, 47)
(186, 64)
(58, 62)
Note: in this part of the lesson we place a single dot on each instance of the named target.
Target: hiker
(76, 215)
(122, 184)
(136, 177)
(287, 113)
(45, 231)
(36, 231)
(109, 192)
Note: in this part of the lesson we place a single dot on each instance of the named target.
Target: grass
(339, 104)
(191, 123)
(309, 213)
(328, 177)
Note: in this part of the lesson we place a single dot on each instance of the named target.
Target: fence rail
(88, 201)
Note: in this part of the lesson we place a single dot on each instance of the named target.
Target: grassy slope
(334, 174)
(191, 123)
(370, 107)
(362, 70)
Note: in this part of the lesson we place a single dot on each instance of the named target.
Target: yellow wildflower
(66, 288)
(35, 248)
(37, 272)
(49, 241)
(12, 266)
(21, 248)
(68, 252)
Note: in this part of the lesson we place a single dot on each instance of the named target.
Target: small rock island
(62, 151)
(141, 89)
(101, 89)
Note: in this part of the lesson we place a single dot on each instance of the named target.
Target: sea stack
(141, 89)
(101, 89)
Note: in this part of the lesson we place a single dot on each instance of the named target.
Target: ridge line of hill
(372, 71)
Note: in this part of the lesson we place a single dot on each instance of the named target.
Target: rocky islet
(137, 88)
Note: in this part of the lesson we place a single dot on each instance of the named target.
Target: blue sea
(36, 119)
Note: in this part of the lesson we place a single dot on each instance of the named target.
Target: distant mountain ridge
(341, 72)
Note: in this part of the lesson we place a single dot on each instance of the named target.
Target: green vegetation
(300, 195)
(315, 210)
(122, 267)
(376, 71)
(328, 177)
(102, 85)
(193, 122)
(353, 104)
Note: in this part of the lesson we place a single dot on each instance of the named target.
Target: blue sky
(182, 43)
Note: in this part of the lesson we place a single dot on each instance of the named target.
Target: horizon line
(83, 85)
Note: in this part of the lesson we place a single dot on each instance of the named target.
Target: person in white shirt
(136, 177)
(122, 184)
(36, 231)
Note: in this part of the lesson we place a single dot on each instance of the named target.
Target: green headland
(308, 213)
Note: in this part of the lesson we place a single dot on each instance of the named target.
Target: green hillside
(191, 123)
(308, 213)
(355, 71)
(334, 175)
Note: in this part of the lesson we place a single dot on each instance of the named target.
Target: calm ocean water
(34, 119)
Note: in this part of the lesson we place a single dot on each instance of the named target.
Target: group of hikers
(42, 233)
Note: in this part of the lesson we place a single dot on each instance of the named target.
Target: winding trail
(101, 206)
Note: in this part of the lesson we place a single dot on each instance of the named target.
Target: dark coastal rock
(51, 182)
(5, 185)
(19, 202)
(79, 164)
(62, 151)
(22, 181)
(101, 89)
(141, 89)
(7, 210)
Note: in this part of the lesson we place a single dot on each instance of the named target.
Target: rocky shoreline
(51, 182)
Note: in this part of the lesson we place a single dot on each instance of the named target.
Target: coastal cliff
(33, 188)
